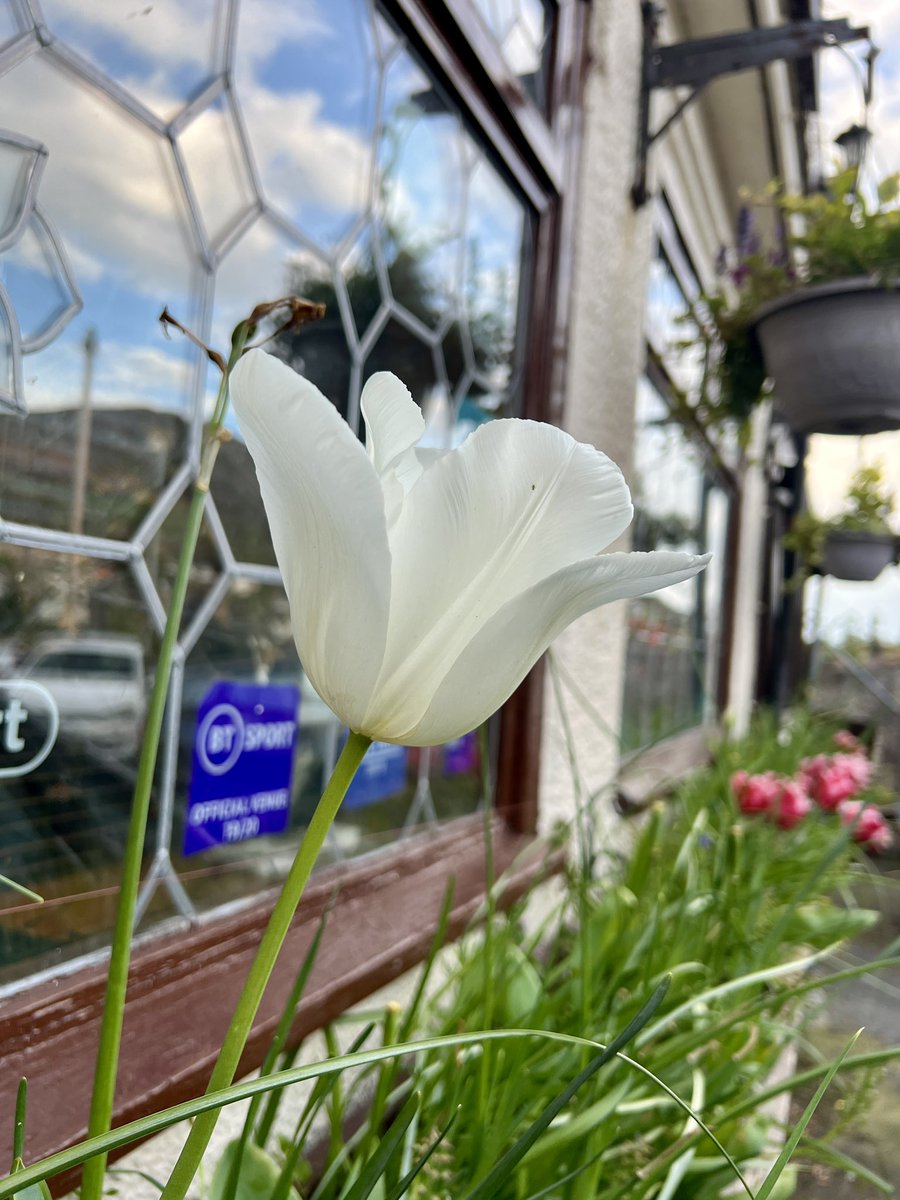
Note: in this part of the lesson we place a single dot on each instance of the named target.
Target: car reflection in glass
(99, 687)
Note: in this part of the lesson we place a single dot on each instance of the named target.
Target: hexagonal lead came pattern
(209, 157)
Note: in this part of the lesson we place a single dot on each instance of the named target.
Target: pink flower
(845, 740)
(755, 793)
(830, 780)
(869, 826)
(856, 765)
(793, 804)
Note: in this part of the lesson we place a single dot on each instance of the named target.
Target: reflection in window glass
(523, 30)
(77, 627)
(330, 164)
(671, 331)
(670, 674)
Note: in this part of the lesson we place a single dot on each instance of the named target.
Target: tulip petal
(394, 423)
(326, 514)
(499, 657)
(515, 503)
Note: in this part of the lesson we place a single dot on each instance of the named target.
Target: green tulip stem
(120, 955)
(258, 976)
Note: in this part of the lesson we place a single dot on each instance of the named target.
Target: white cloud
(304, 159)
(171, 34)
(111, 190)
(125, 376)
(841, 102)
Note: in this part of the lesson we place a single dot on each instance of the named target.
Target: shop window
(207, 157)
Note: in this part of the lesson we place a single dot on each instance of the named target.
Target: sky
(861, 609)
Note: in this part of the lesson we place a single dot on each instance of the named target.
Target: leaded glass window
(671, 674)
(206, 157)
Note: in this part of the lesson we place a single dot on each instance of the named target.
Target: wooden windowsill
(183, 988)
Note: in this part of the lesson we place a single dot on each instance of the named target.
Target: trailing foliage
(833, 234)
(868, 506)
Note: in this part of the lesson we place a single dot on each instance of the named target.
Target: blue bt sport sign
(243, 760)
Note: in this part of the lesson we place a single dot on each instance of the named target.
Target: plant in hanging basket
(818, 320)
(858, 543)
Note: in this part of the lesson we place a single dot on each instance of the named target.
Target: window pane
(330, 164)
(523, 30)
(670, 674)
(77, 644)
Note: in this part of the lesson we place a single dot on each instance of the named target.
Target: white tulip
(424, 586)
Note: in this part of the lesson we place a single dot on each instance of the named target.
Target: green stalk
(19, 1125)
(120, 955)
(279, 923)
(487, 810)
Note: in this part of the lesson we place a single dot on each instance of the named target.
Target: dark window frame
(670, 243)
(49, 1030)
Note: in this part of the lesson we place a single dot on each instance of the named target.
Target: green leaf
(888, 188)
(34, 1191)
(832, 1157)
(256, 1179)
(19, 1126)
(501, 1171)
(771, 1180)
(145, 1175)
(133, 1131)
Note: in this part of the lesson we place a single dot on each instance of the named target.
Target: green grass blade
(440, 935)
(791, 1144)
(486, 1188)
(403, 1186)
(144, 1127)
(147, 1178)
(5, 881)
(375, 1166)
(284, 1026)
(870, 1058)
(19, 1123)
(558, 1183)
(766, 975)
(832, 1157)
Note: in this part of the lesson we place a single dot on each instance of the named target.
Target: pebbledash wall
(739, 135)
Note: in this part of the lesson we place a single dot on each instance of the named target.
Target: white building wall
(700, 162)
(612, 252)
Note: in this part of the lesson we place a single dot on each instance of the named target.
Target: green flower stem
(120, 955)
(279, 923)
(487, 811)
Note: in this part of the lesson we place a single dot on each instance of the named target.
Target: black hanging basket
(858, 556)
(833, 351)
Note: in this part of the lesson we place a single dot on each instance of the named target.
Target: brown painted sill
(183, 987)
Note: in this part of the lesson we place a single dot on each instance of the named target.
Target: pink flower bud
(845, 740)
(869, 826)
(831, 780)
(793, 805)
(755, 793)
(856, 765)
